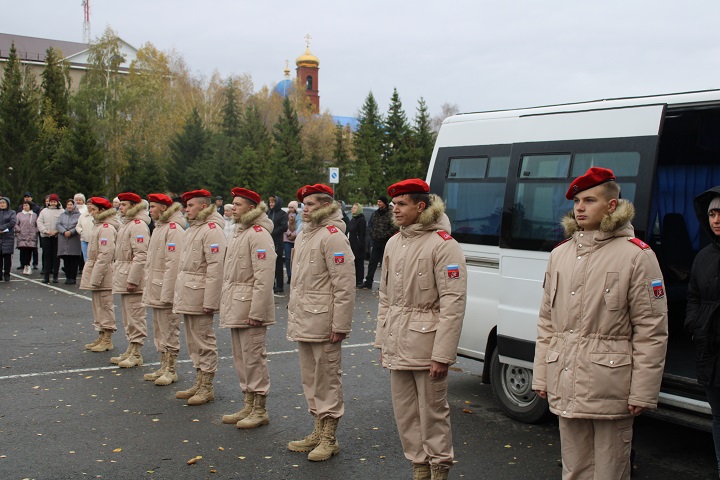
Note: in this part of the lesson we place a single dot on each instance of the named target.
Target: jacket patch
(657, 286)
(215, 247)
(332, 229)
(140, 238)
(171, 247)
(103, 241)
(261, 254)
(173, 225)
(639, 243)
(339, 257)
(137, 222)
(258, 228)
(444, 235)
(211, 225)
(105, 225)
(453, 271)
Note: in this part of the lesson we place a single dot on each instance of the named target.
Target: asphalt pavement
(67, 413)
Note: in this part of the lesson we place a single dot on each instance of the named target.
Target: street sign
(334, 174)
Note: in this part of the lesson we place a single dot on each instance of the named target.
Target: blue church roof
(351, 122)
(284, 87)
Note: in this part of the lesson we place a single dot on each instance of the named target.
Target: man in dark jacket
(280, 224)
(381, 229)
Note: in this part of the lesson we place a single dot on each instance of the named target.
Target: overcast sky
(480, 55)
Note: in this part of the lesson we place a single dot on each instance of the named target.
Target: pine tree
(289, 167)
(188, 149)
(251, 168)
(342, 161)
(368, 148)
(55, 88)
(400, 162)
(423, 137)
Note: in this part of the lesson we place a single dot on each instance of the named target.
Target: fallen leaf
(194, 460)
(117, 450)
(467, 410)
(221, 448)
(508, 446)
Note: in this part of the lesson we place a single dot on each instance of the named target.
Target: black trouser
(359, 265)
(279, 271)
(5, 261)
(35, 257)
(51, 262)
(376, 258)
(26, 255)
(71, 263)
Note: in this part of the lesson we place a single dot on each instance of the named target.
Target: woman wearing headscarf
(7, 236)
(69, 248)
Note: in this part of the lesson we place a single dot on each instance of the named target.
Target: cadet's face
(194, 207)
(406, 211)
(156, 209)
(714, 217)
(92, 209)
(312, 203)
(240, 207)
(591, 206)
(124, 207)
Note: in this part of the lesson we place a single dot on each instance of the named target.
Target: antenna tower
(86, 21)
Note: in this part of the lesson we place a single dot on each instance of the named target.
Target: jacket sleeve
(452, 292)
(544, 332)
(105, 256)
(10, 223)
(215, 262)
(342, 278)
(172, 260)
(648, 316)
(42, 228)
(384, 302)
(263, 275)
(139, 253)
(693, 299)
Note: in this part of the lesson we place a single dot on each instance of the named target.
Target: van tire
(512, 389)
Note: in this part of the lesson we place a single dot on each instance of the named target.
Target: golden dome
(307, 59)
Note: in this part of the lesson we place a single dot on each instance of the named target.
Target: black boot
(55, 279)
(46, 278)
(7, 277)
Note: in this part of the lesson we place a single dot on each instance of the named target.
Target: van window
(545, 166)
(623, 164)
(474, 190)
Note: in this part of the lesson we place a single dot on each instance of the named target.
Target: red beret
(245, 193)
(53, 196)
(312, 189)
(194, 194)
(100, 202)
(411, 185)
(129, 197)
(592, 178)
(160, 198)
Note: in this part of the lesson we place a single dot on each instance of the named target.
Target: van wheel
(512, 389)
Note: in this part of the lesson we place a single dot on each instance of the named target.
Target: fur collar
(103, 216)
(623, 214)
(135, 209)
(167, 214)
(204, 214)
(320, 215)
(431, 215)
(250, 217)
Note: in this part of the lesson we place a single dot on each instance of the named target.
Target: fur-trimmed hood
(256, 216)
(166, 216)
(108, 216)
(622, 216)
(322, 217)
(138, 211)
(432, 218)
(209, 214)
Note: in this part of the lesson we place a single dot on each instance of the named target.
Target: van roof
(673, 100)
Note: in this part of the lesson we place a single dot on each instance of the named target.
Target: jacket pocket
(194, 294)
(553, 371)
(553, 286)
(314, 321)
(317, 263)
(424, 274)
(240, 308)
(420, 339)
(611, 291)
(155, 288)
(610, 374)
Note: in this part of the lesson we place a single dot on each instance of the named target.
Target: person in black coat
(280, 225)
(356, 233)
(702, 319)
(7, 236)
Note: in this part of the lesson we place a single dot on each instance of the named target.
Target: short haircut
(611, 190)
(206, 200)
(323, 198)
(420, 197)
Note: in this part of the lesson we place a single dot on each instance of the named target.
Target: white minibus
(503, 176)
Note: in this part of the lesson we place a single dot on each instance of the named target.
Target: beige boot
(151, 377)
(185, 394)
(27, 270)
(421, 472)
(89, 346)
(439, 472)
(328, 445)
(170, 374)
(122, 356)
(234, 418)
(205, 392)
(134, 359)
(258, 417)
(105, 344)
(309, 442)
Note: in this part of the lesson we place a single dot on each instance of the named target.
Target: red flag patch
(211, 225)
(332, 229)
(257, 228)
(444, 235)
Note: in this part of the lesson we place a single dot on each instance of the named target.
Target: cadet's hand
(636, 410)
(208, 311)
(337, 337)
(438, 370)
(254, 323)
(541, 393)
(381, 359)
(131, 287)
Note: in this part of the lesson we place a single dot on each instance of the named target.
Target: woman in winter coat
(26, 232)
(69, 248)
(702, 319)
(7, 236)
(47, 225)
(356, 233)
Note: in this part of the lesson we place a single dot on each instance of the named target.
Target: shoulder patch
(639, 243)
(137, 221)
(564, 241)
(257, 228)
(332, 229)
(444, 235)
(173, 225)
(212, 225)
(105, 225)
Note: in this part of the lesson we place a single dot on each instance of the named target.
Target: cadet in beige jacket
(160, 273)
(322, 299)
(197, 290)
(129, 275)
(98, 272)
(247, 306)
(602, 332)
(422, 305)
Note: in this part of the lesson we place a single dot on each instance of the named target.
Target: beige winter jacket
(131, 249)
(247, 291)
(322, 289)
(98, 271)
(85, 225)
(422, 294)
(162, 258)
(200, 271)
(47, 220)
(602, 333)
